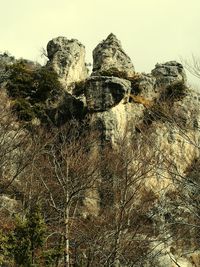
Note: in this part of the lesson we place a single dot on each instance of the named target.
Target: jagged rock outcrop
(144, 85)
(169, 73)
(67, 57)
(144, 91)
(117, 121)
(109, 57)
(103, 93)
(157, 110)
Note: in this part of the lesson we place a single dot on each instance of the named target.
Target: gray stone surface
(118, 121)
(173, 140)
(67, 57)
(102, 92)
(109, 57)
(169, 73)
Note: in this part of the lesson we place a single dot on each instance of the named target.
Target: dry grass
(141, 100)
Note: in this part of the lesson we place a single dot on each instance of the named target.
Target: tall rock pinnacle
(109, 57)
(67, 57)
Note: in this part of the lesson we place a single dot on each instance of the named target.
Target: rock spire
(67, 57)
(110, 58)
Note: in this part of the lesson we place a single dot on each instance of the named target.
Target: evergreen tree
(27, 237)
(36, 230)
(4, 248)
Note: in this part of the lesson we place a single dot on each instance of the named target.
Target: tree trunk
(66, 250)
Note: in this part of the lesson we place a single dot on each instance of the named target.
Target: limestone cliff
(157, 112)
(159, 106)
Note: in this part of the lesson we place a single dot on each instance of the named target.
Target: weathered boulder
(67, 57)
(169, 73)
(104, 92)
(110, 59)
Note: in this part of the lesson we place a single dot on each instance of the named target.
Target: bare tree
(117, 235)
(69, 175)
(180, 167)
(193, 65)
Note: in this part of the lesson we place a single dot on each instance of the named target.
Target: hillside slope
(112, 158)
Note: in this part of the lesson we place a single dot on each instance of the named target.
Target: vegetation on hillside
(31, 88)
(82, 204)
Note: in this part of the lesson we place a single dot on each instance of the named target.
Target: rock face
(118, 121)
(120, 103)
(103, 93)
(109, 57)
(169, 73)
(67, 57)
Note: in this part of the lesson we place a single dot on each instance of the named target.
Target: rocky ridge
(121, 102)
(157, 107)
(113, 84)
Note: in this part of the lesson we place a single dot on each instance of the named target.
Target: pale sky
(151, 31)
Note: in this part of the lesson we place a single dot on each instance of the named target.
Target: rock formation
(114, 94)
(103, 93)
(109, 57)
(67, 57)
(158, 106)
(169, 73)
(156, 110)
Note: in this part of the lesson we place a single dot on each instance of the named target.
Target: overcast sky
(151, 31)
